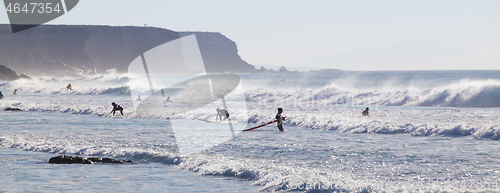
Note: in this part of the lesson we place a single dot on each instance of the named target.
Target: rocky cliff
(85, 50)
(9, 75)
(220, 53)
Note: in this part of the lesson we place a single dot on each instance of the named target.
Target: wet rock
(87, 161)
(95, 159)
(12, 109)
(65, 159)
(113, 161)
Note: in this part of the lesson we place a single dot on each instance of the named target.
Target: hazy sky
(269, 32)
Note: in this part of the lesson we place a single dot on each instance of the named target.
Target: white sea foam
(479, 123)
(342, 91)
(465, 93)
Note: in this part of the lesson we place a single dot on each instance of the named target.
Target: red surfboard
(262, 125)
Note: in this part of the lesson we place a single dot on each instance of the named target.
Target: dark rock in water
(326, 71)
(25, 76)
(79, 159)
(282, 69)
(95, 159)
(108, 160)
(65, 159)
(88, 162)
(12, 109)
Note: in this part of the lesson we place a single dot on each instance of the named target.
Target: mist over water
(433, 89)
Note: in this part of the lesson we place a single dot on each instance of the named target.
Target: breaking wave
(466, 93)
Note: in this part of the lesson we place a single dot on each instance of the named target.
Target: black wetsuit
(117, 108)
(280, 121)
(222, 113)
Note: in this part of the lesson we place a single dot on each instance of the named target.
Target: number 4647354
(33, 8)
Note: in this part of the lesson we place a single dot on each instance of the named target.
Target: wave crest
(466, 93)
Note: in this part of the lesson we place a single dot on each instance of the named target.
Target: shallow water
(25, 171)
(265, 157)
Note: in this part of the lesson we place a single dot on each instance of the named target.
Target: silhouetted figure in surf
(138, 98)
(222, 113)
(1, 96)
(69, 87)
(168, 100)
(15, 91)
(365, 112)
(116, 107)
(280, 119)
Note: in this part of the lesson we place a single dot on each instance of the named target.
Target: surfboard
(104, 115)
(371, 116)
(227, 121)
(256, 127)
(204, 120)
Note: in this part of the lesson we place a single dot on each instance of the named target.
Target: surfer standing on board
(69, 87)
(116, 107)
(280, 119)
(222, 113)
(365, 112)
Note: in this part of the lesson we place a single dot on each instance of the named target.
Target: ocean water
(428, 131)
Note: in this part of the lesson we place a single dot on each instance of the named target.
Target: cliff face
(45, 49)
(220, 53)
(115, 47)
(9, 75)
(85, 50)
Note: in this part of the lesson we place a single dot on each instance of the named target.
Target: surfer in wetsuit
(68, 87)
(365, 112)
(138, 98)
(168, 99)
(280, 119)
(116, 107)
(1, 96)
(222, 113)
(15, 91)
